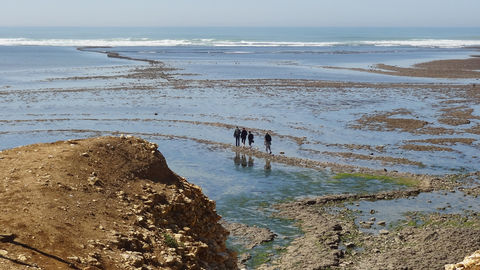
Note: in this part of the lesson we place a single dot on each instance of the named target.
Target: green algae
(384, 178)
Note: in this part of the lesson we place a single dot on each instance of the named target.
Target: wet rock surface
(333, 240)
(249, 236)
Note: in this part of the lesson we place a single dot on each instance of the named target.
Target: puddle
(368, 214)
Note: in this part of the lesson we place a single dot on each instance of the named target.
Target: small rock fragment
(383, 232)
(382, 223)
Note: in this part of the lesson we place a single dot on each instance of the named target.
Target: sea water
(42, 102)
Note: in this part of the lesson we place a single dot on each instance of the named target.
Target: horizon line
(232, 26)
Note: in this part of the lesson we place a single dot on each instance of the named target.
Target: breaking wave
(144, 42)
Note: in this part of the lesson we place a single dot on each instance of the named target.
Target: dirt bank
(104, 203)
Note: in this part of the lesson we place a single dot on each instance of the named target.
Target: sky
(316, 13)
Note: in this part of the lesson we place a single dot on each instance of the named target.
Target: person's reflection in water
(250, 161)
(244, 160)
(236, 159)
(268, 167)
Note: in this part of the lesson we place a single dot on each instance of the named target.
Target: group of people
(243, 135)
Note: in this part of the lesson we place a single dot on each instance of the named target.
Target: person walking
(244, 136)
(250, 138)
(236, 134)
(268, 143)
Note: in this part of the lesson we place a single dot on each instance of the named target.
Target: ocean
(277, 79)
(227, 53)
(240, 36)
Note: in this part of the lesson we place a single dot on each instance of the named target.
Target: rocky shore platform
(334, 240)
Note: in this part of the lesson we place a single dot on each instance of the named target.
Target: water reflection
(242, 159)
(267, 167)
(250, 161)
(236, 159)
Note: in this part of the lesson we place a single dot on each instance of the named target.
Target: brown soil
(104, 203)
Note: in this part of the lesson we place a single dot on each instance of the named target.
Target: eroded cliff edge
(104, 203)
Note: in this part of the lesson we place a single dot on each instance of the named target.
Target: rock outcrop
(471, 262)
(104, 203)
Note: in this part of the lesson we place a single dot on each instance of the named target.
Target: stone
(382, 223)
(94, 181)
(471, 262)
(75, 259)
(365, 226)
(383, 232)
(169, 259)
(337, 227)
(4, 238)
(3, 252)
(22, 258)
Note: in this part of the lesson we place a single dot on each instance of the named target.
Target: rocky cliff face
(104, 203)
(471, 262)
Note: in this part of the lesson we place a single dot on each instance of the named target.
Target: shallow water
(295, 62)
(394, 212)
(37, 106)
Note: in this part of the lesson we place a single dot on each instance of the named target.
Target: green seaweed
(260, 258)
(389, 179)
(170, 241)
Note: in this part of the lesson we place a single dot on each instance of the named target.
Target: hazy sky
(239, 13)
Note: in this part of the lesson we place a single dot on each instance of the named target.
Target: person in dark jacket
(236, 134)
(244, 136)
(250, 138)
(268, 143)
